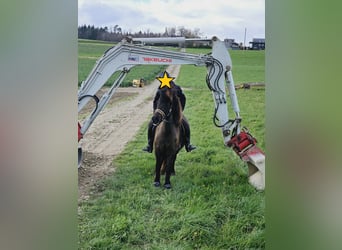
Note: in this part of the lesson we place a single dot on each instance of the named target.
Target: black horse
(169, 139)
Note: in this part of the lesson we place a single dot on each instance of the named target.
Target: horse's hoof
(167, 186)
(156, 184)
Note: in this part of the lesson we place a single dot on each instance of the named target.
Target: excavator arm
(126, 55)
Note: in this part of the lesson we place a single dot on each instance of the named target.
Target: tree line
(116, 34)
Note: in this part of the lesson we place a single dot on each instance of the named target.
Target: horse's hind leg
(159, 162)
(173, 171)
(170, 164)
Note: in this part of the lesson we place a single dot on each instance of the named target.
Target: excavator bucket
(255, 160)
(244, 145)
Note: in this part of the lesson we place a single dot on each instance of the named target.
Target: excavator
(127, 54)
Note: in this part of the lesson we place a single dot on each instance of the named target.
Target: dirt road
(114, 127)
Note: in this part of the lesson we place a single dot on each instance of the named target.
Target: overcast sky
(222, 18)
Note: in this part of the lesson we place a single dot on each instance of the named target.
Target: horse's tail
(163, 168)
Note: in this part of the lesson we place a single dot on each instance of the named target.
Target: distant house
(258, 44)
(231, 44)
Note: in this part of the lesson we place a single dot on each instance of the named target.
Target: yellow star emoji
(165, 80)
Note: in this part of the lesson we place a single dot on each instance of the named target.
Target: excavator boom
(126, 55)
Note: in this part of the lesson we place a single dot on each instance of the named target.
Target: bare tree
(115, 28)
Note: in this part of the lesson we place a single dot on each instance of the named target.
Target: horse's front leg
(170, 166)
(159, 162)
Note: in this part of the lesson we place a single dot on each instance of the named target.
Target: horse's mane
(176, 109)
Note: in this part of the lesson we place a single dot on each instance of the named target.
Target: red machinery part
(79, 151)
(244, 144)
(80, 136)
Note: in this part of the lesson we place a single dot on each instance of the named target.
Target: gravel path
(114, 127)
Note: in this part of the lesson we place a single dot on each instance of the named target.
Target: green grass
(248, 66)
(211, 204)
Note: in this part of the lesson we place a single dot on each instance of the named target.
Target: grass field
(211, 204)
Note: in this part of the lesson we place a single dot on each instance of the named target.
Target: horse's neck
(168, 124)
(167, 127)
(174, 120)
